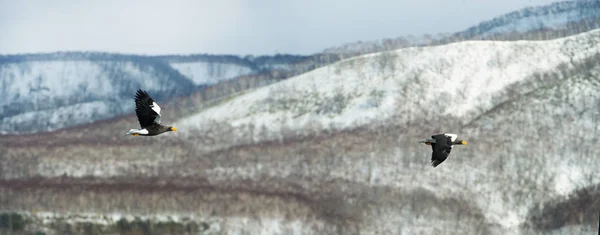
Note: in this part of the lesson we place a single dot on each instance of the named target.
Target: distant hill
(550, 21)
(555, 16)
(44, 92)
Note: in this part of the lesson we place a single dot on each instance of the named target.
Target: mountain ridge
(529, 23)
(206, 70)
(91, 86)
(395, 69)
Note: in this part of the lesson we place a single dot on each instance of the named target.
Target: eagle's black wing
(441, 149)
(146, 109)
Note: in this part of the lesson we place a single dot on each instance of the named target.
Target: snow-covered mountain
(361, 48)
(540, 22)
(460, 79)
(25, 78)
(521, 105)
(206, 73)
(559, 15)
(542, 137)
(210, 69)
(44, 92)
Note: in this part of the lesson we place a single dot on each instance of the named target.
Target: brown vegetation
(579, 208)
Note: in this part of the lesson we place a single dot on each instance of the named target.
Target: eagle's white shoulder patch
(155, 107)
(453, 137)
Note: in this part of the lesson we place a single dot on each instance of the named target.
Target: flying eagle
(441, 144)
(148, 114)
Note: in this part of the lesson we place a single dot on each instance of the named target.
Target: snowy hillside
(564, 104)
(554, 16)
(44, 92)
(459, 79)
(540, 22)
(515, 102)
(43, 95)
(205, 69)
(542, 138)
(361, 48)
(207, 73)
(209, 70)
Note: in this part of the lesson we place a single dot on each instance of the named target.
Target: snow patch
(53, 119)
(209, 73)
(535, 22)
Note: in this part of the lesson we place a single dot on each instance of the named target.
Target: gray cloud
(229, 26)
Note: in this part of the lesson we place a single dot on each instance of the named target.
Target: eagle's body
(441, 145)
(148, 114)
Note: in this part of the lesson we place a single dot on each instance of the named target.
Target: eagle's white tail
(137, 131)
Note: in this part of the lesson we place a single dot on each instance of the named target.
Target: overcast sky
(229, 26)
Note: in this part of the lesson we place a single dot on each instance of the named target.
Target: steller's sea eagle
(441, 144)
(148, 114)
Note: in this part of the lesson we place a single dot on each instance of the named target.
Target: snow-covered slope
(208, 73)
(553, 16)
(541, 139)
(211, 69)
(63, 116)
(44, 92)
(365, 47)
(563, 111)
(521, 123)
(43, 95)
(540, 22)
(457, 79)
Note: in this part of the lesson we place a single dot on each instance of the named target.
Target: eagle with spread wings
(148, 114)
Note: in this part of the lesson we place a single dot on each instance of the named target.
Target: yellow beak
(464, 142)
(173, 129)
